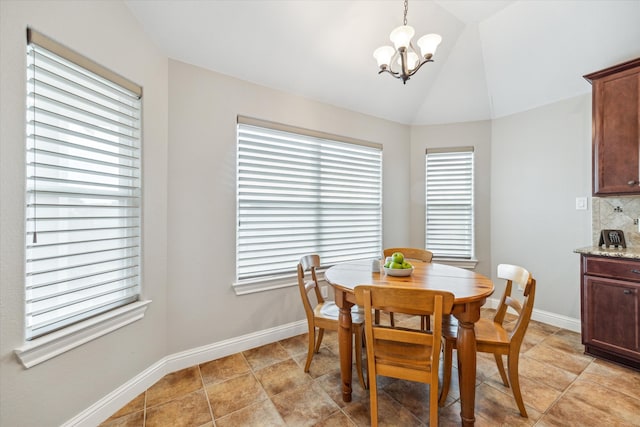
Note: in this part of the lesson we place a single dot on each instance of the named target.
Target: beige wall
(54, 391)
(472, 134)
(202, 198)
(541, 161)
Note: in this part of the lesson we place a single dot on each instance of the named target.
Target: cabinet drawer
(612, 267)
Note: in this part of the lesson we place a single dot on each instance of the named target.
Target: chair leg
(500, 365)
(376, 317)
(358, 344)
(373, 396)
(391, 320)
(447, 365)
(433, 402)
(319, 339)
(312, 345)
(512, 360)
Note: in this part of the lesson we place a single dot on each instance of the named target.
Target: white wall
(472, 134)
(54, 391)
(541, 161)
(202, 198)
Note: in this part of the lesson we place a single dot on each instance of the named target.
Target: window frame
(469, 261)
(263, 282)
(57, 339)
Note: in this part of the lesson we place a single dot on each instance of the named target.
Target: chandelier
(403, 61)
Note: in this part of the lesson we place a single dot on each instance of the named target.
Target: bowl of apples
(396, 265)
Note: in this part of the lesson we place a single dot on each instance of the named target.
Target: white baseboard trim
(547, 317)
(108, 405)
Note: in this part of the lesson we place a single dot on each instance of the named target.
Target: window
(304, 192)
(83, 189)
(449, 202)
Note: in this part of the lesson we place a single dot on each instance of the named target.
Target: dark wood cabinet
(611, 309)
(616, 129)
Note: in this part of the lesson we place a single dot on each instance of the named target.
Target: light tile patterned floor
(266, 386)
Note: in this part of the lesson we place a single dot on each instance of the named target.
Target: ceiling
(497, 57)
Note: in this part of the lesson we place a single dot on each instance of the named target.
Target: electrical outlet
(324, 290)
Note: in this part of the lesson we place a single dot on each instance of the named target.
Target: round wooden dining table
(469, 288)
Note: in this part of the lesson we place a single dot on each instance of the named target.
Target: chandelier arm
(393, 73)
(424, 61)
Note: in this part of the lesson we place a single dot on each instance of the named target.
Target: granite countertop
(633, 253)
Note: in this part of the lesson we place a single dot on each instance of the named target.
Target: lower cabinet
(611, 309)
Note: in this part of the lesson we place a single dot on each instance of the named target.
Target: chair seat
(487, 331)
(329, 310)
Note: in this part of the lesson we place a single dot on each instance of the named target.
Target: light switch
(581, 203)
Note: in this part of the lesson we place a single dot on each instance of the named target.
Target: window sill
(51, 345)
(269, 283)
(264, 284)
(469, 264)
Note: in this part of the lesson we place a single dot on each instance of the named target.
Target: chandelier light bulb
(428, 44)
(401, 36)
(412, 60)
(383, 55)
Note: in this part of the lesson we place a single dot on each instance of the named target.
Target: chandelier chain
(406, 8)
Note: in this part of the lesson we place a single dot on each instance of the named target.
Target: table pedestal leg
(466, 345)
(344, 342)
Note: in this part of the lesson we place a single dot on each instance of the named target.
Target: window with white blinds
(83, 191)
(301, 193)
(449, 202)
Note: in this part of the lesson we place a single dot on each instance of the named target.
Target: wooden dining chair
(324, 314)
(398, 352)
(409, 254)
(493, 336)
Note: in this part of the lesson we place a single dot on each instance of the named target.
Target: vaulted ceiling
(497, 57)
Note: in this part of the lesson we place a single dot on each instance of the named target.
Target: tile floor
(266, 386)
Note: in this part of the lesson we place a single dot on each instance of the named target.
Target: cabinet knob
(627, 292)
(632, 182)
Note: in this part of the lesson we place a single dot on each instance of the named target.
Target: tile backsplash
(617, 213)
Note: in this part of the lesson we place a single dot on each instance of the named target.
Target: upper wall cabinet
(616, 129)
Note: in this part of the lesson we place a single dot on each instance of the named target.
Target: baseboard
(108, 405)
(115, 400)
(547, 317)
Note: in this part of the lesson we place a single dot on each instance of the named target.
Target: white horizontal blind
(300, 194)
(449, 203)
(83, 194)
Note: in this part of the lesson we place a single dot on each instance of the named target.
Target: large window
(83, 189)
(303, 192)
(449, 202)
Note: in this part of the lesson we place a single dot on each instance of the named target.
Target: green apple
(405, 265)
(397, 257)
(387, 264)
(396, 265)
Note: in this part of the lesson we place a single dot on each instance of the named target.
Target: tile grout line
(206, 395)
(144, 410)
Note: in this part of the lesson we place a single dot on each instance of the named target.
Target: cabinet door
(612, 315)
(616, 133)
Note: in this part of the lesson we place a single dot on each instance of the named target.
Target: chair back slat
(515, 274)
(410, 253)
(309, 263)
